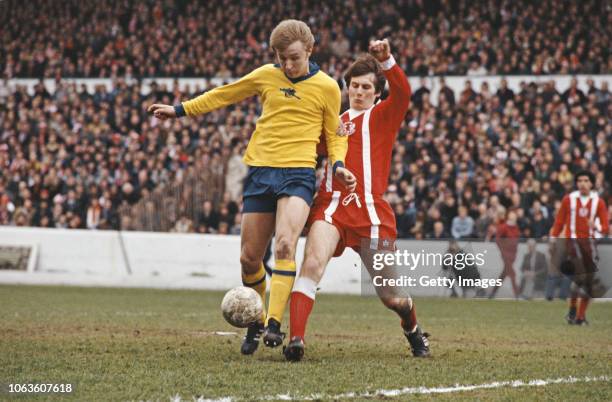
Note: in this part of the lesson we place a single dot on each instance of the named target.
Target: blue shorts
(263, 187)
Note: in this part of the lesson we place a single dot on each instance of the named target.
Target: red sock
(409, 322)
(300, 308)
(573, 302)
(584, 302)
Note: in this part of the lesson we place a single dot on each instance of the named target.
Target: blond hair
(290, 31)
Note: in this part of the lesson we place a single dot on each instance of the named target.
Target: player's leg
(509, 268)
(501, 279)
(573, 269)
(255, 233)
(321, 243)
(584, 302)
(291, 215)
(527, 285)
(562, 261)
(573, 304)
(589, 267)
(398, 301)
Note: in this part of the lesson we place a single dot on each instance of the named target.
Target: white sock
(306, 286)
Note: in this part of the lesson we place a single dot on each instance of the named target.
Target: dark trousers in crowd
(562, 282)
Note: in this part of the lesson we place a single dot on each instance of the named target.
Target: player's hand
(380, 49)
(161, 111)
(347, 178)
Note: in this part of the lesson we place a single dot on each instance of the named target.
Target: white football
(242, 306)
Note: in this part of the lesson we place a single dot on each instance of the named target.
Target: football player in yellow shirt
(299, 103)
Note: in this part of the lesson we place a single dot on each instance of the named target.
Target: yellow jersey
(295, 114)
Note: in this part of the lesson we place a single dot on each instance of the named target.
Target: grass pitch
(137, 344)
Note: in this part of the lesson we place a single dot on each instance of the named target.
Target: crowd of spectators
(75, 159)
(79, 160)
(154, 38)
(460, 166)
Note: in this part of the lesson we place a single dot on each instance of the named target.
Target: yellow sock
(283, 276)
(257, 281)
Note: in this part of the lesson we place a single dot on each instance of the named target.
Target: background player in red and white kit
(582, 218)
(507, 236)
(342, 219)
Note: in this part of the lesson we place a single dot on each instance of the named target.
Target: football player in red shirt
(507, 236)
(582, 218)
(342, 219)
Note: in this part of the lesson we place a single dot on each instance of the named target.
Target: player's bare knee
(391, 303)
(283, 249)
(397, 304)
(249, 262)
(312, 267)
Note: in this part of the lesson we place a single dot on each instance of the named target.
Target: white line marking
(409, 390)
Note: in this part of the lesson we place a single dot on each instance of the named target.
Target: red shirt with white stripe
(582, 216)
(373, 137)
(365, 214)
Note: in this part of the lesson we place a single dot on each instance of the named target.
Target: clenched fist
(380, 49)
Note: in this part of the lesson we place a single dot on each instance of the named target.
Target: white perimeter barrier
(193, 261)
(146, 259)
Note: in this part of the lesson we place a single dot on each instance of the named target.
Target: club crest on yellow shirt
(289, 93)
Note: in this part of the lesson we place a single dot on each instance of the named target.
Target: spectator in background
(108, 216)
(235, 228)
(225, 215)
(556, 282)
(183, 225)
(504, 93)
(467, 270)
(403, 221)
(417, 96)
(534, 269)
(476, 69)
(209, 219)
(468, 94)
(463, 224)
(438, 232)
(74, 220)
(223, 228)
(69, 140)
(539, 226)
(94, 214)
(483, 222)
(434, 37)
(446, 93)
(235, 174)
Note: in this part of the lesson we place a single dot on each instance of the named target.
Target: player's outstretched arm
(217, 98)
(395, 106)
